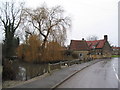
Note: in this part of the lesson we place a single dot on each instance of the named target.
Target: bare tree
(92, 38)
(50, 22)
(10, 18)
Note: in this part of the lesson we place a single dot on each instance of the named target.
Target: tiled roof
(86, 45)
(116, 48)
(78, 45)
(96, 44)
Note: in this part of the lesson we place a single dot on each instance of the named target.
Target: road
(103, 74)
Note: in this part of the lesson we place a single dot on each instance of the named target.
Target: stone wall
(107, 50)
(84, 54)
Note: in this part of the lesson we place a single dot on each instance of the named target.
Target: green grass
(115, 55)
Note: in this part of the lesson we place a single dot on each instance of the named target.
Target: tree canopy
(10, 19)
(50, 26)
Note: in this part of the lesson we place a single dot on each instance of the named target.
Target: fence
(66, 64)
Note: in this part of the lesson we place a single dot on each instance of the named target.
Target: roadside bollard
(68, 63)
(48, 67)
(79, 61)
(60, 63)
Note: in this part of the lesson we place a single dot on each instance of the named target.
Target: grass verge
(115, 55)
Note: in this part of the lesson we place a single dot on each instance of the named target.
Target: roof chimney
(105, 37)
(82, 39)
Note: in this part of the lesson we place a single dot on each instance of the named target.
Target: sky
(89, 17)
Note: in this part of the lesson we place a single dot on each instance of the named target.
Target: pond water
(25, 71)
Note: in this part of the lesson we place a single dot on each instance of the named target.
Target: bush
(30, 52)
(8, 72)
(68, 53)
(75, 56)
(53, 52)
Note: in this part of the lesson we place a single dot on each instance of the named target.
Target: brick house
(80, 47)
(93, 49)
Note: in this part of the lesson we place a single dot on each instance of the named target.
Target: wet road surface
(103, 74)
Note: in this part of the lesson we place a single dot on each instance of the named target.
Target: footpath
(55, 78)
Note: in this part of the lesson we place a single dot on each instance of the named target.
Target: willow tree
(10, 17)
(50, 23)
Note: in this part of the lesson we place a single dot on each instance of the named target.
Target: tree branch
(28, 32)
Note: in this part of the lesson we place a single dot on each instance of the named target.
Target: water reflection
(21, 74)
(25, 71)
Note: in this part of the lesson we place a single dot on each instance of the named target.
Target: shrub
(53, 52)
(8, 72)
(75, 55)
(29, 52)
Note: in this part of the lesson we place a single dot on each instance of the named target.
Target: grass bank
(115, 55)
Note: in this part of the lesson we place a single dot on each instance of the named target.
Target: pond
(25, 71)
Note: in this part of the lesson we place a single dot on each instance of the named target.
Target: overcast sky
(89, 17)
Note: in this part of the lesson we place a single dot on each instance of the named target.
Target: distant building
(93, 49)
(116, 50)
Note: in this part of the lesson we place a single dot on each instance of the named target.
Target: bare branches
(51, 26)
(28, 32)
(11, 14)
(10, 18)
(49, 21)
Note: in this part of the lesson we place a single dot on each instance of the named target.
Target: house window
(99, 53)
(80, 54)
